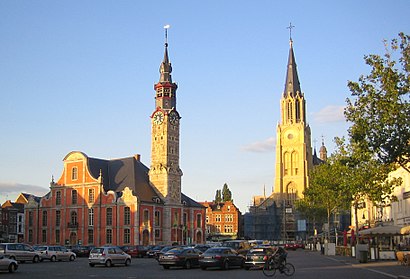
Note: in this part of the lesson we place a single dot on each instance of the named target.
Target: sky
(79, 76)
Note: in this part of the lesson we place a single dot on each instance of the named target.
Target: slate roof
(129, 172)
(316, 160)
(27, 196)
(292, 84)
(125, 172)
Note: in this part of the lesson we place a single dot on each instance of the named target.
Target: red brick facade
(78, 210)
(222, 220)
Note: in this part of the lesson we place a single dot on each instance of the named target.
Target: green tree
(364, 177)
(380, 105)
(218, 197)
(226, 193)
(326, 192)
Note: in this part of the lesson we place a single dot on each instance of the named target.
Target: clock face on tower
(173, 118)
(158, 117)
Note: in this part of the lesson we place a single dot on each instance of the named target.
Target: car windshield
(234, 245)
(214, 251)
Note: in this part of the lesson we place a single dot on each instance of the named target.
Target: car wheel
(36, 259)
(165, 266)
(91, 264)
(127, 262)
(188, 264)
(226, 265)
(108, 263)
(72, 258)
(12, 267)
(53, 258)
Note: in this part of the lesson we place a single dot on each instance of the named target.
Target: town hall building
(122, 201)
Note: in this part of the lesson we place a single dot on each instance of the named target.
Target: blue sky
(79, 75)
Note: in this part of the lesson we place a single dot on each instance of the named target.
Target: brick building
(122, 201)
(222, 220)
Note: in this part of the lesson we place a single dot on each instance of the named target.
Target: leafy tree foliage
(218, 196)
(226, 193)
(363, 176)
(380, 105)
(326, 194)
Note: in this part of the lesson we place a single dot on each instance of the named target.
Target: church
(122, 201)
(274, 217)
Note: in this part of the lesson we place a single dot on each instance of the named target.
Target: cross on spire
(290, 30)
(166, 27)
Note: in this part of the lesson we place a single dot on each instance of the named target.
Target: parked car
(152, 251)
(186, 257)
(108, 256)
(20, 252)
(137, 251)
(81, 250)
(290, 246)
(240, 246)
(256, 257)
(8, 264)
(163, 251)
(202, 247)
(223, 257)
(56, 253)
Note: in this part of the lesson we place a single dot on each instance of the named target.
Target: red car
(136, 251)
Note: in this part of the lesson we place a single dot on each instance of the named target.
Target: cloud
(329, 114)
(10, 190)
(267, 145)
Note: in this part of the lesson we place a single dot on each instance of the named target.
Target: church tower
(293, 143)
(165, 173)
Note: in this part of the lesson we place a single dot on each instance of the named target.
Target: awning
(405, 230)
(381, 230)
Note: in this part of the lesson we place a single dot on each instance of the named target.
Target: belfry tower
(293, 144)
(164, 172)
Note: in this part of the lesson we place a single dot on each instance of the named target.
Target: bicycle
(274, 263)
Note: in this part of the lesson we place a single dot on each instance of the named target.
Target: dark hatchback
(223, 257)
(181, 257)
(256, 257)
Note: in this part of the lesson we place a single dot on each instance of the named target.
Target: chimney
(137, 157)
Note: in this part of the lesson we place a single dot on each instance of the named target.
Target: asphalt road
(308, 265)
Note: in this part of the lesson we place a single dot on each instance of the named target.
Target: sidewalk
(389, 268)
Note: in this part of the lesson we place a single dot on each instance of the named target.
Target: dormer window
(74, 173)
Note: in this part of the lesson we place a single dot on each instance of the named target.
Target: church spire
(292, 85)
(165, 69)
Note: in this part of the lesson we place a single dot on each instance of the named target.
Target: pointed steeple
(165, 69)
(292, 85)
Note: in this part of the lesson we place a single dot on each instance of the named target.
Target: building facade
(121, 201)
(11, 222)
(222, 220)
